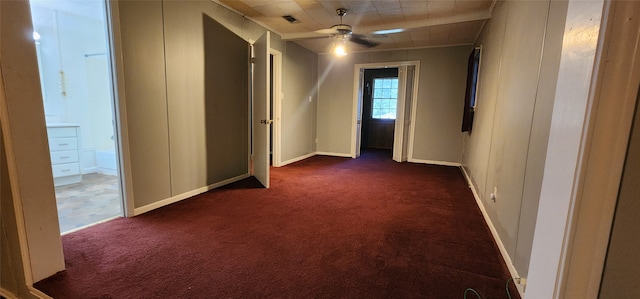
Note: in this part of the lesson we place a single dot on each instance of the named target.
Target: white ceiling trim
(403, 48)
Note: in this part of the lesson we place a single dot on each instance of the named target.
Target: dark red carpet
(328, 228)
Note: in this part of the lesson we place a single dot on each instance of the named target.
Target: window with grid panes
(385, 98)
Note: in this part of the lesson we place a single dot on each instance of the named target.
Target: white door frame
(277, 107)
(613, 97)
(582, 174)
(121, 134)
(398, 130)
(357, 103)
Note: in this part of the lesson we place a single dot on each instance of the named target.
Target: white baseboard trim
(434, 162)
(333, 154)
(179, 197)
(107, 171)
(39, 294)
(89, 170)
(494, 232)
(33, 291)
(297, 159)
(7, 294)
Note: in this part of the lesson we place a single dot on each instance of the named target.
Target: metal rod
(94, 54)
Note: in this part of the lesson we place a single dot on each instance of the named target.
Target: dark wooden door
(377, 132)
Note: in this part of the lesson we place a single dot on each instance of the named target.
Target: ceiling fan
(344, 32)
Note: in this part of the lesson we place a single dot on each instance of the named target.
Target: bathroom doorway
(74, 61)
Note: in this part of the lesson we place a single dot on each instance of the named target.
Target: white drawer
(61, 132)
(63, 144)
(60, 157)
(60, 170)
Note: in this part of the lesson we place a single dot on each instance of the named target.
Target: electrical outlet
(494, 194)
(521, 283)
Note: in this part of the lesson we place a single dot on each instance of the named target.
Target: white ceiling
(426, 23)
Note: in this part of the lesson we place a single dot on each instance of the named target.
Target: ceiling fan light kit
(339, 49)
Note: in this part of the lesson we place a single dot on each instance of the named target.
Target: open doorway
(275, 72)
(384, 105)
(271, 96)
(74, 63)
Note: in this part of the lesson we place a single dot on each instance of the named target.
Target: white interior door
(261, 116)
(398, 135)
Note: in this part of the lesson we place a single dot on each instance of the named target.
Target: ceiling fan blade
(363, 42)
(327, 31)
(369, 36)
(304, 37)
(377, 35)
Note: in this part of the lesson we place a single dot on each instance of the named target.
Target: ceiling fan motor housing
(342, 29)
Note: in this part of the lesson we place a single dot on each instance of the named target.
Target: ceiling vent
(291, 19)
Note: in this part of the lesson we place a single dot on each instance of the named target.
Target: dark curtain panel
(470, 94)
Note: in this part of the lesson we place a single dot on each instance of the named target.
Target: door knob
(266, 122)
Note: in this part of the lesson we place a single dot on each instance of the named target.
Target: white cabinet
(64, 147)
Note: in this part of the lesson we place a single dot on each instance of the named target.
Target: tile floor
(95, 199)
